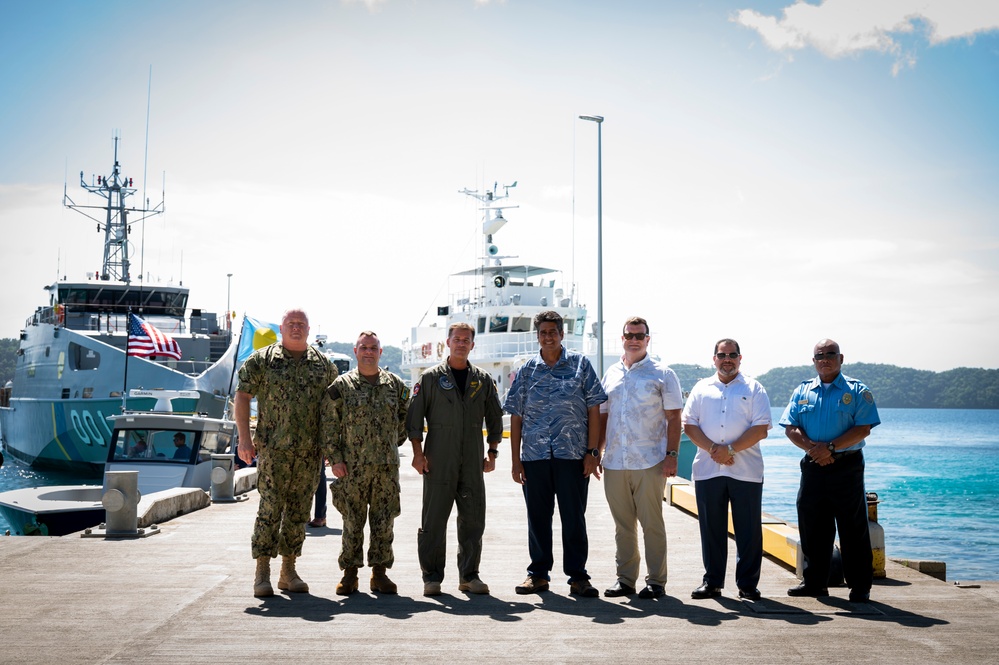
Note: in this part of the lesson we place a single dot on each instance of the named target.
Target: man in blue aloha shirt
(554, 403)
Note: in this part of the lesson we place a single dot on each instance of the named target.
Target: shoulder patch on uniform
(405, 392)
(868, 397)
(333, 391)
(416, 390)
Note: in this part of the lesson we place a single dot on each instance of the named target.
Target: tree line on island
(893, 386)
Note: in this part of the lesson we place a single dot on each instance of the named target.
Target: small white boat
(168, 450)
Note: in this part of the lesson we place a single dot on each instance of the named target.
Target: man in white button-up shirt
(640, 437)
(726, 416)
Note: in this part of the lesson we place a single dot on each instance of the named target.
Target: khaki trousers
(636, 497)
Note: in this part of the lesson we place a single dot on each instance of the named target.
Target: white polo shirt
(724, 411)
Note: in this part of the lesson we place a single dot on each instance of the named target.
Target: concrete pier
(185, 596)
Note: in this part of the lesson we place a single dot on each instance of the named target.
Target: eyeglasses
(828, 355)
(638, 336)
(296, 324)
(722, 356)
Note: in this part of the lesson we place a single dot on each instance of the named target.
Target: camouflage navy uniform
(455, 453)
(289, 438)
(366, 424)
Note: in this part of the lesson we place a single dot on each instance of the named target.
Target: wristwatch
(494, 452)
(731, 451)
(831, 447)
(671, 453)
(595, 452)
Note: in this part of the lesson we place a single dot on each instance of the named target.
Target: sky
(776, 172)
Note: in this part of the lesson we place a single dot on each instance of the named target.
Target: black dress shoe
(618, 590)
(652, 591)
(860, 596)
(750, 594)
(705, 591)
(805, 590)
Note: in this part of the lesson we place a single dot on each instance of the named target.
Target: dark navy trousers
(713, 498)
(832, 497)
(546, 481)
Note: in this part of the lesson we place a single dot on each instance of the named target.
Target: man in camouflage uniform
(366, 416)
(454, 398)
(289, 380)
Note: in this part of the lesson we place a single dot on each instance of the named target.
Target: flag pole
(235, 361)
(124, 386)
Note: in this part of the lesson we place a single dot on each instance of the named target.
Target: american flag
(145, 340)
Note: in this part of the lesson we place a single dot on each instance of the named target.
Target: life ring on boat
(440, 350)
(426, 349)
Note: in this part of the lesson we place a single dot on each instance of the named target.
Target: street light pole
(228, 308)
(599, 119)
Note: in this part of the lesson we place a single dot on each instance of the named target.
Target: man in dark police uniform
(829, 417)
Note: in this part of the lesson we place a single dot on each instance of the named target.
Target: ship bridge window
(498, 324)
(520, 324)
(481, 328)
(568, 326)
(579, 326)
(80, 357)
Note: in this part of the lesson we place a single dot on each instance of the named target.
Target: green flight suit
(454, 453)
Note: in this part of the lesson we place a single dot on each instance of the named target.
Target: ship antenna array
(114, 189)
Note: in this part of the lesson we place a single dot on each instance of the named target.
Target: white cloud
(840, 28)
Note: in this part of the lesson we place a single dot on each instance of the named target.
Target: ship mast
(493, 219)
(115, 189)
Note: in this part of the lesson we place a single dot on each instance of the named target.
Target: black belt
(835, 455)
(844, 453)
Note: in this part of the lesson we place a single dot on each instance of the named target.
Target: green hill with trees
(893, 386)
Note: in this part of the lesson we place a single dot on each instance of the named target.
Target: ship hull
(57, 416)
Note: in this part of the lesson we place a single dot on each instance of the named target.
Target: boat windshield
(168, 445)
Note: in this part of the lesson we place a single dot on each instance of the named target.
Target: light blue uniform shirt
(553, 403)
(825, 413)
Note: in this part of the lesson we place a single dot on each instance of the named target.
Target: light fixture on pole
(599, 119)
(228, 309)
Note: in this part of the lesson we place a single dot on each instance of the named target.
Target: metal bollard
(877, 536)
(121, 502)
(223, 478)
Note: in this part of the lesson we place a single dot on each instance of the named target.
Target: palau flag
(256, 335)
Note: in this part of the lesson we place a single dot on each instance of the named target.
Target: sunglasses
(828, 355)
(638, 336)
(723, 356)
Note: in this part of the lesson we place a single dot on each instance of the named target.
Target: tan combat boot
(262, 579)
(348, 584)
(380, 582)
(289, 579)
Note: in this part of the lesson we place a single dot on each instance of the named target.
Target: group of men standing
(567, 424)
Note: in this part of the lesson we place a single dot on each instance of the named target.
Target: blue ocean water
(936, 472)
